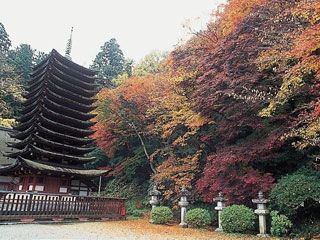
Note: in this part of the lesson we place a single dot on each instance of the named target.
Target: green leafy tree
(109, 63)
(10, 89)
(150, 64)
(120, 79)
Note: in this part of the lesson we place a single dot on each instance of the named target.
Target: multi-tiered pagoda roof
(54, 129)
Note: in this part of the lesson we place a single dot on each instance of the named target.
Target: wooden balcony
(42, 206)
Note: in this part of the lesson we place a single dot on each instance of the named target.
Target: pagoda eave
(61, 156)
(85, 85)
(62, 147)
(65, 101)
(67, 119)
(73, 131)
(74, 96)
(75, 140)
(68, 111)
(62, 83)
(22, 135)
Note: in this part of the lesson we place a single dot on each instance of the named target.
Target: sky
(140, 26)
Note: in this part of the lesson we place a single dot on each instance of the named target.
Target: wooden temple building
(52, 138)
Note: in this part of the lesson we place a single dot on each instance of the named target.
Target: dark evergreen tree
(109, 63)
(23, 58)
(5, 42)
(128, 66)
(38, 56)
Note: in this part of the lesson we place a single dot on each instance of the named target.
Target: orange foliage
(138, 90)
(105, 139)
(316, 112)
(308, 9)
(306, 42)
(175, 173)
(235, 12)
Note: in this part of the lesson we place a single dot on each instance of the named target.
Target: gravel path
(112, 230)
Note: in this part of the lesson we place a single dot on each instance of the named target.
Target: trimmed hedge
(161, 215)
(198, 218)
(237, 219)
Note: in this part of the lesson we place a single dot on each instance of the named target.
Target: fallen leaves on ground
(142, 227)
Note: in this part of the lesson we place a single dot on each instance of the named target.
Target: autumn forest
(236, 109)
(233, 109)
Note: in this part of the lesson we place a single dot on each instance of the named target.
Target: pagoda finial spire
(69, 46)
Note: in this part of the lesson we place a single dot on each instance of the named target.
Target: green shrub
(161, 215)
(198, 218)
(293, 190)
(237, 219)
(135, 208)
(137, 213)
(209, 207)
(280, 224)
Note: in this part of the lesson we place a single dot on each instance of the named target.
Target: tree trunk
(143, 146)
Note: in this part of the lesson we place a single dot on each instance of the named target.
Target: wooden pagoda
(52, 137)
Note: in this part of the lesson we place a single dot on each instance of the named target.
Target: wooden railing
(19, 205)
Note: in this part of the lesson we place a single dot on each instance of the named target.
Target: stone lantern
(183, 205)
(155, 197)
(220, 206)
(262, 212)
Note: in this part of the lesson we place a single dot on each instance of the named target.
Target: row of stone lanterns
(261, 210)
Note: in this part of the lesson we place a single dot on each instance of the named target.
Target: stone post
(262, 212)
(154, 201)
(220, 206)
(183, 205)
(154, 194)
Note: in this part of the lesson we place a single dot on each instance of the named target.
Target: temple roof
(66, 63)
